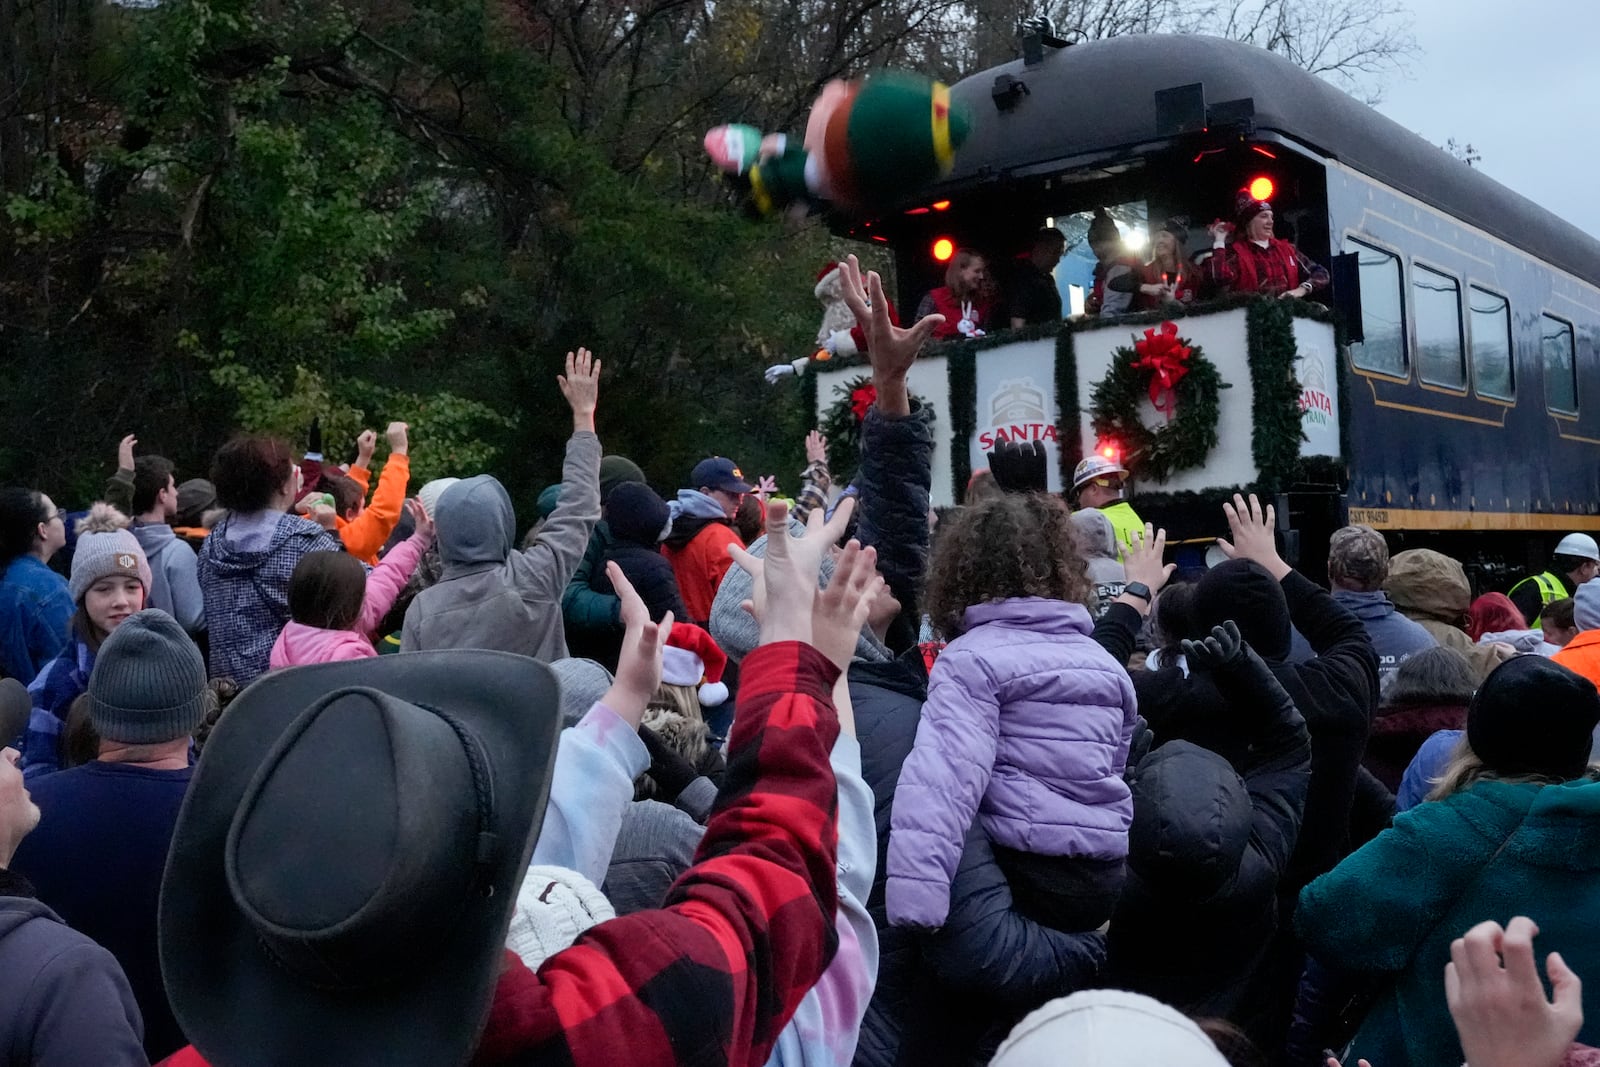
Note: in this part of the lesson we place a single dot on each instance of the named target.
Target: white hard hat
(1579, 545)
(1096, 466)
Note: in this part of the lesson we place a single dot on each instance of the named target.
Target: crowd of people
(1244, 256)
(302, 777)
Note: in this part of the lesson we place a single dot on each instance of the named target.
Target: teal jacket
(1493, 851)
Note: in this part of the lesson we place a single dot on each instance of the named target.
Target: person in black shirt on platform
(1034, 296)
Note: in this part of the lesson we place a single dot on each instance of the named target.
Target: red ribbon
(1167, 360)
(862, 399)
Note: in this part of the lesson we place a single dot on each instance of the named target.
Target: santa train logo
(1017, 413)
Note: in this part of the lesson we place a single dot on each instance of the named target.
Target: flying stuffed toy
(868, 143)
(839, 334)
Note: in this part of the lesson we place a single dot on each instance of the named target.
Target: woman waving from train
(1257, 262)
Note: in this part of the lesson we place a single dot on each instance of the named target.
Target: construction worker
(1576, 560)
(1097, 481)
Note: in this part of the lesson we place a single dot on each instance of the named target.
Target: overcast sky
(1520, 81)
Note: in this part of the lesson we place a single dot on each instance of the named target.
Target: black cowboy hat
(346, 860)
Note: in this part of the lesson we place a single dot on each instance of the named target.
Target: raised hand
(1492, 987)
(786, 580)
(1142, 561)
(1252, 535)
(1221, 649)
(639, 666)
(422, 520)
(399, 435)
(890, 349)
(766, 487)
(366, 444)
(1020, 467)
(816, 447)
(779, 371)
(125, 453)
(842, 608)
(581, 386)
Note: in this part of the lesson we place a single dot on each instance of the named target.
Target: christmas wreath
(841, 423)
(1182, 385)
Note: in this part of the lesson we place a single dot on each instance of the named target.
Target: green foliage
(1275, 403)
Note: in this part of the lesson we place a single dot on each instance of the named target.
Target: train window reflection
(1560, 362)
(1436, 303)
(1382, 311)
(1491, 343)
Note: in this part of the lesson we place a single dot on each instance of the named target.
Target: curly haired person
(1026, 727)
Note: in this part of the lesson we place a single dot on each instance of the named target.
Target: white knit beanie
(554, 907)
(106, 555)
(1107, 1028)
(430, 493)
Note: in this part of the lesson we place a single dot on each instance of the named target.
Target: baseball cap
(719, 473)
(1360, 555)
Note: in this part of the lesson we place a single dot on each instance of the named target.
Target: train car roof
(1100, 96)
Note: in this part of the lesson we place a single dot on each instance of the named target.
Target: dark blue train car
(1469, 373)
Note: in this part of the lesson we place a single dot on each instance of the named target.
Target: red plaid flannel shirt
(1269, 266)
(715, 975)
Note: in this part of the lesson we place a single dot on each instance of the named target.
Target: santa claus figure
(839, 334)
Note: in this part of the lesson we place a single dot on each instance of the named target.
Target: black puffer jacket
(895, 480)
(1209, 842)
(1336, 692)
(949, 997)
(649, 572)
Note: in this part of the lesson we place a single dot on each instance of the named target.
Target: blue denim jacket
(35, 609)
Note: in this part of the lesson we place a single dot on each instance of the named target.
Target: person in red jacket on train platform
(966, 299)
(1257, 262)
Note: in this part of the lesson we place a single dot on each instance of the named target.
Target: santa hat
(826, 277)
(693, 658)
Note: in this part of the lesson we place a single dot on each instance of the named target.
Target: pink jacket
(299, 644)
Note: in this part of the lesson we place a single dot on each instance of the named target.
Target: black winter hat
(1102, 227)
(1243, 591)
(636, 514)
(1533, 716)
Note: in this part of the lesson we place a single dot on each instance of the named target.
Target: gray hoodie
(490, 596)
(1098, 540)
(66, 1001)
(174, 575)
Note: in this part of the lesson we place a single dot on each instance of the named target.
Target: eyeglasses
(59, 513)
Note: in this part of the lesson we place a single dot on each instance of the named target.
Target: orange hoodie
(367, 532)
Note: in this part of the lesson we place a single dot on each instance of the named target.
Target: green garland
(1275, 405)
(1069, 442)
(962, 373)
(1184, 442)
(843, 430)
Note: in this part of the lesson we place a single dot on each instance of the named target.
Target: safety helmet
(1579, 546)
(1098, 466)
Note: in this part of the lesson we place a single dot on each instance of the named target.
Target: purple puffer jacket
(1026, 727)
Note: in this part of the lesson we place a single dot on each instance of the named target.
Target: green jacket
(590, 615)
(1493, 851)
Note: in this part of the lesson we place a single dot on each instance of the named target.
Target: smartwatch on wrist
(1140, 590)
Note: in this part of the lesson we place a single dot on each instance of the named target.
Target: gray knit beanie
(581, 683)
(106, 555)
(149, 682)
(737, 633)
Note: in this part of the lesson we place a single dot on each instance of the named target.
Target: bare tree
(1464, 152)
(1353, 43)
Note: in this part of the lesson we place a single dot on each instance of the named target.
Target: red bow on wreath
(1167, 360)
(863, 397)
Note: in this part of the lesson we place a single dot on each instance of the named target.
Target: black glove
(1020, 468)
(1222, 649)
(671, 772)
(314, 437)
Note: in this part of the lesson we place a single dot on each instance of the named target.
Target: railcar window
(1382, 311)
(1491, 343)
(1436, 303)
(1560, 364)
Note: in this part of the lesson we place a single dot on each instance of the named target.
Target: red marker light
(943, 249)
(1261, 188)
(1109, 452)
